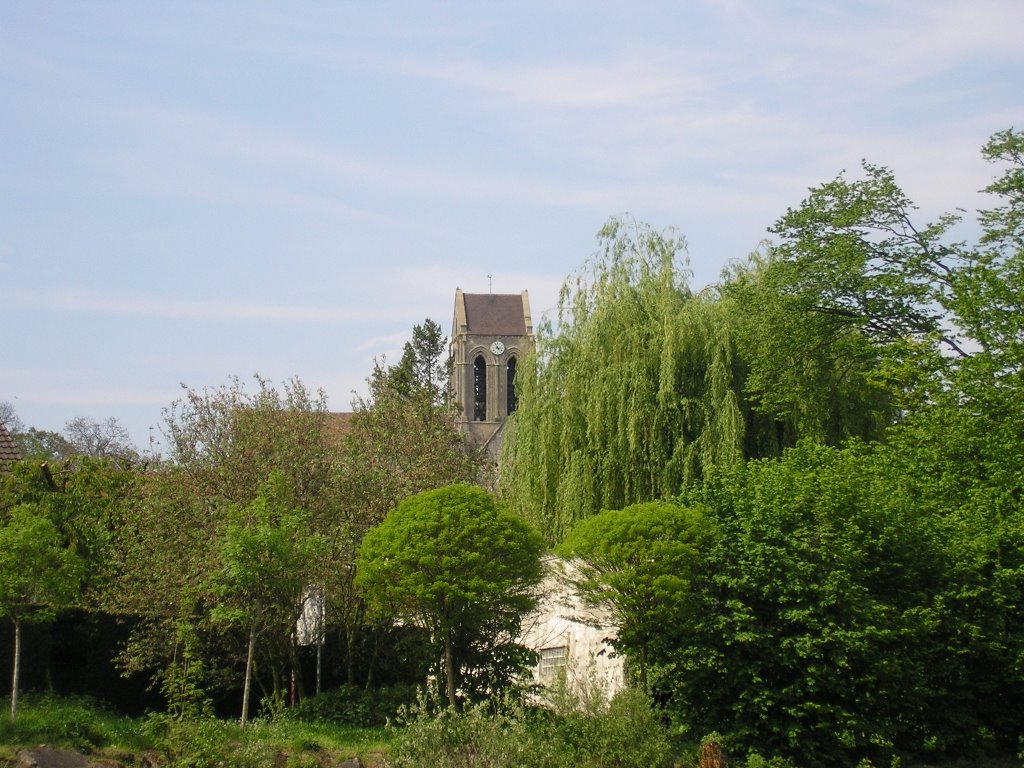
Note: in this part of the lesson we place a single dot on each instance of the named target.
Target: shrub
(477, 737)
(354, 706)
(590, 733)
(194, 742)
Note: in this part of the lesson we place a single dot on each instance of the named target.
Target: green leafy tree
(959, 455)
(82, 436)
(43, 444)
(266, 554)
(866, 601)
(453, 561)
(39, 574)
(635, 395)
(422, 369)
(228, 439)
(816, 371)
(859, 302)
(989, 301)
(640, 563)
(853, 251)
(82, 500)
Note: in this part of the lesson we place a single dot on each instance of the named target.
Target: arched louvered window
(510, 385)
(479, 389)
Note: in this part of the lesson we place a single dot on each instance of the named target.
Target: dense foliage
(800, 492)
(638, 390)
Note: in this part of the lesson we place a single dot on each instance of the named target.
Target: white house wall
(563, 620)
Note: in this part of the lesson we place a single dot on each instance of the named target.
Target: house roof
(337, 424)
(497, 314)
(8, 451)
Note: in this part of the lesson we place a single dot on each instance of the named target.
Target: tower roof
(493, 314)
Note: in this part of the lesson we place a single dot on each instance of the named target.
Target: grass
(76, 722)
(86, 725)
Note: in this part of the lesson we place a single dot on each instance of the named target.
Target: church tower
(491, 333)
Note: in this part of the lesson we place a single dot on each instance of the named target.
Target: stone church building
(491, 333)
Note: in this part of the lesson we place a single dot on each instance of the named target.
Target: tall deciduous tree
(228, 439)
(267, 556)
(817, 371)
(82, 436)
(43, 445)
(857, 300)
(61, 518)
(456, 563)
(223, 443)
(866, 601)
(101, 439)
(634, 394)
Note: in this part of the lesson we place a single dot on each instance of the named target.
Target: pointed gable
(8, 450)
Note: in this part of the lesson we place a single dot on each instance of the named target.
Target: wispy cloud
(623, 81)
(84, 397)
(196, 155)
(94, 302)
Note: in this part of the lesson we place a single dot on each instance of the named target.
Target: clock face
(497, 347)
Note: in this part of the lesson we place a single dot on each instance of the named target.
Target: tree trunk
(248, 674)
(17, 668)
(47, 641)
(373, 659)
(449, 668)
(350, 660)
(319, 664)
(293, 653)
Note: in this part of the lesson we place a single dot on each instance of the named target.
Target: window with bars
(510, 386)
(552, 661)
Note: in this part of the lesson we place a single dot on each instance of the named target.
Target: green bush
(477, 737)
(194, 742)
(354, 706)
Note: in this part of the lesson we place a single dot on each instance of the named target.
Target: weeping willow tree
(633, 392)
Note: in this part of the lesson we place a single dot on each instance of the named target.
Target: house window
(552, 662)
(510, 385)
(479, 389)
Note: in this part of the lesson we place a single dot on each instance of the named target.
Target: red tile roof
(8, 451)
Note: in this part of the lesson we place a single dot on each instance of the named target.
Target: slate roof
(495, 314)
(8, 451)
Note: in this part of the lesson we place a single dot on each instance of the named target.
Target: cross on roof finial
(490, 288)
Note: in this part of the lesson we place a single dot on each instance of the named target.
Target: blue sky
(195, 190)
